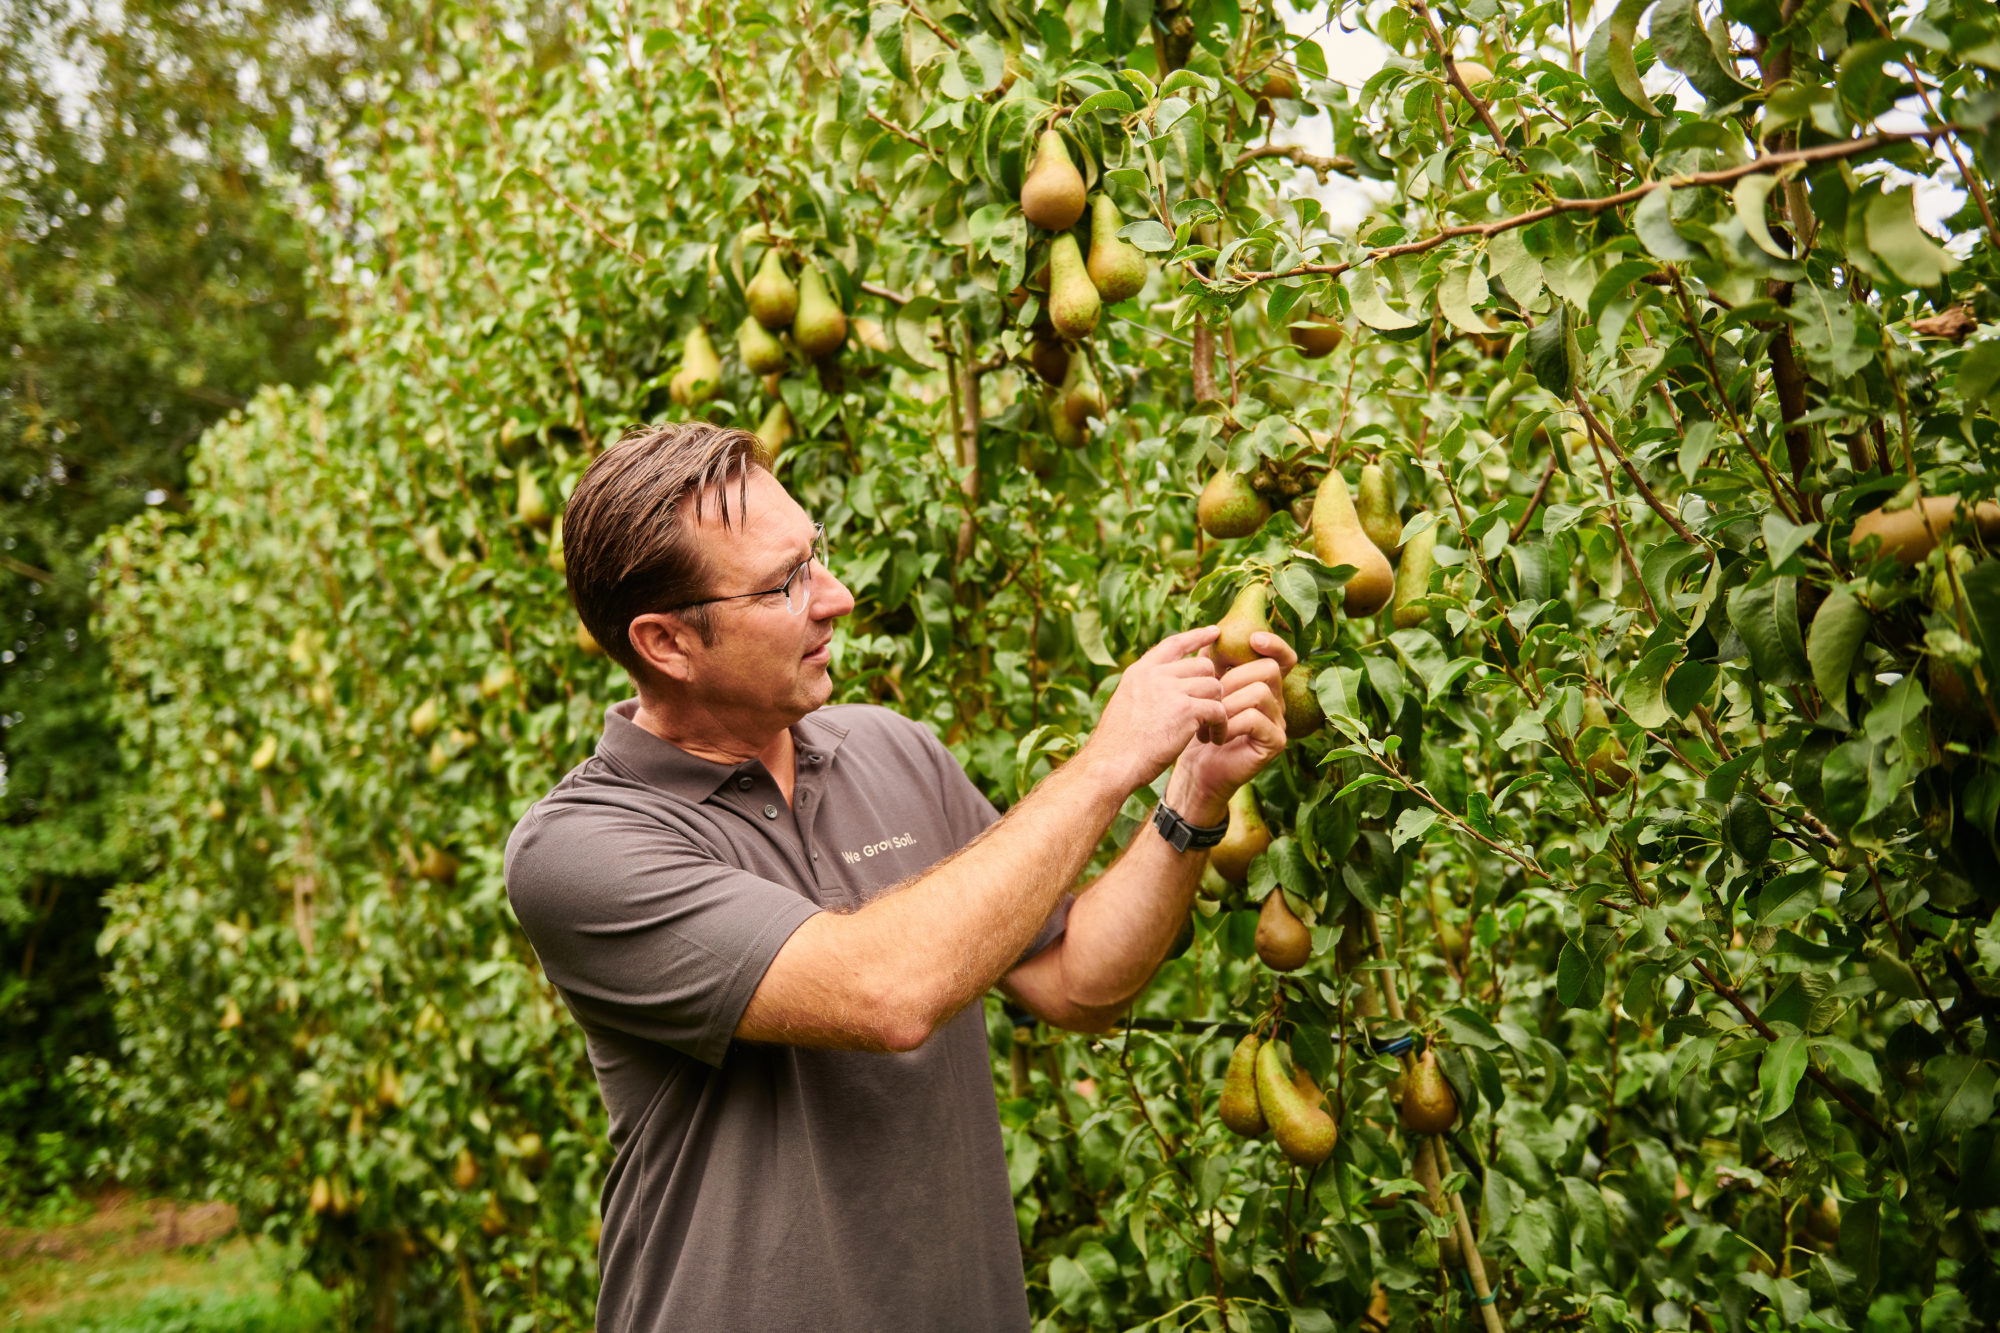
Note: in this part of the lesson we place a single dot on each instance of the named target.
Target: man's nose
(830, 597)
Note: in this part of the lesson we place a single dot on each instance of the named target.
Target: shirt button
(770, 812)
(746, 782)
(815, 856)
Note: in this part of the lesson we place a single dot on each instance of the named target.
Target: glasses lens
(798, 588)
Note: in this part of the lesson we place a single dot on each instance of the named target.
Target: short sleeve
(642, 930)
(971, 814)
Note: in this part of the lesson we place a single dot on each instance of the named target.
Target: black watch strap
(1183, 836)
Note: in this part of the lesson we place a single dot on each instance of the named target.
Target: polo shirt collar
(662, 764)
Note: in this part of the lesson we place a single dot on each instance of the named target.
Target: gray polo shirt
(761, 1187)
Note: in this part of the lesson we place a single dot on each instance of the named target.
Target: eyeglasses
(797, 586)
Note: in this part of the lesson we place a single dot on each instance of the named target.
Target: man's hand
(1163, 700)
(1218, 761)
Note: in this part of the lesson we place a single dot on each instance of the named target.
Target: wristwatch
(1183, 836)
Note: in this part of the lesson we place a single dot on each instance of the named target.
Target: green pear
(424, 718)
(1064, 431)
(1116, 266)
(1375, 505)
(1248, 835)
(1413, 579)
(1247, 615)
(1606, 764)
(587, 642)
(772, 296)
(700, 373)
(1305, 1133)
(1303, 715)
(530, 505)
(1282, 940)
(1338, 539)
(1317, 336)
(1082, 397)
(1429, 1106)
(1052, 194)
(761, 352)
(773, 434)
(1230, 507)
(820, 329)
(1237, 1107)
(557, 561)
(1073, 301)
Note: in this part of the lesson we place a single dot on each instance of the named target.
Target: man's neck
(707, 737)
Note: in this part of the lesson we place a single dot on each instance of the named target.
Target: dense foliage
(1667, 822)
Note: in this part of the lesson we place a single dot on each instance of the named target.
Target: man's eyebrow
(781, 572)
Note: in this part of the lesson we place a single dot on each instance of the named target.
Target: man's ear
(666, 643)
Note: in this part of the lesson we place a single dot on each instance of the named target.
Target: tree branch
(1321, 167)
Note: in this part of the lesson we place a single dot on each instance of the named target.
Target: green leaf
(1090, 637)
(1580, 967)
(1653, 223)
(1549, 352)
(1458, 292)
(1962, 1086)
(1684, 43)
(1778, 1076)
(1839, 628)
(1901, 245)
(1148, 235)
(1978, 382)
(1642, 693)
(1981, 586)
(1507, 259)
(1369, 307)
(1299, 590)
(1751, 196)
(1784, 539)
(1766, 616)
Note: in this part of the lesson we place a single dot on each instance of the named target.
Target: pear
(1230, 507)
(762, 354)
(1052, 195)
(1606, 764)
(1283, 941)
(1212, 884)
(700, 372)
(530, 505)
(820, 329)
(1413, 579)
(1073, 301)
(773, 434)
(1247, 615)
(1050, 359)
(1237, 1107)
(1116, 266)
(1303, 715)
(1082, 398)
(872, 335)
(772, 296)
(1301, 510)
(1247, 836)
(1429, 1105)
(1065, 432)
(424, 718)
(1291, 1103)
(1911, 534)
(1376, 506)
(1338, 539)
(557, 560)
(465, 1172)
(1317, 336)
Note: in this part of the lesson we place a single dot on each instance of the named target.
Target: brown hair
(627, 547)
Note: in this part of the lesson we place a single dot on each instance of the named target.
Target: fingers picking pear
(772, 296)
(1237, 1108)
(1283, 941)
(1248, 836)
(1338, 539)
(1230, 507)
(1249, 614)
(820, 328)
(1073, 301)
(1052, 195)
(1304, 1132)
(1116, 266)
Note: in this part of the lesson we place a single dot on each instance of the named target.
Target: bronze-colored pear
(1212, 884)
(1229, 506)
(1429, 1106)
(1082, 397)
(1911, 534)
(1317, 335)
(530, 505)
(1283, 941)
(1050, 359)
(1248, 835)
(820, 328)
(1606, 764)
(1237, 1108)
(1304, 1132)
(773, 434)
(1073, 301)
(1303, 715)
(761, 352)
(700, 373)
(1375, 504)
(1249, 614)
(1116, 265)
(1052, 195)
(587, 642)
(1301, 510)
(1065, 432)
(1338, 539)
(1413, 579)
(772, 296)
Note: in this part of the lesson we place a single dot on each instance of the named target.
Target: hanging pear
(530, 505)
(1073, 300)
(1303, 715)
(1338, 539)
(773, 434)
(1082, 397)
(586, 642)
(1316, 336)
(772, 296)
(1065, 432)
(1248, 614)
(1606, 764)
(1375, 504)
(701, 371)
(1052, 194)
(1116, 266)
(557, 561)
(1248, 835)
(820, 329)
(1429, 1106)
(1413, 579)
(1237, 1108)
(1283, 941)
(1049, 358)
(1305, 1133)
(761, 353)
(1229, 506)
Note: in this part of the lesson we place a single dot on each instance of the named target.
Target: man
(775, 920)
